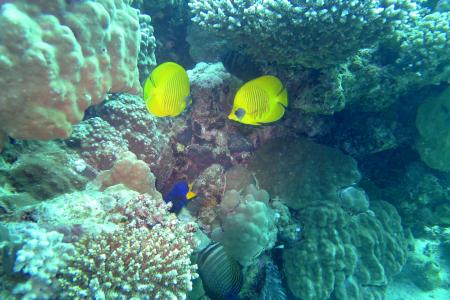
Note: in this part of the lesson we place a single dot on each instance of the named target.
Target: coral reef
(302, 172)
(343, 257)
(249, 214)
(97, 142)
(119, 124)
(147, 264)
(128, 170)
(136, 229)
(313, 27)
(40, 171)
(59, 58)
(146, 59)
(42, 253)
(433, 140)
(420, 196)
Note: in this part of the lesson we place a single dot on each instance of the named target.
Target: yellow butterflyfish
(166, 90)
(261, 100)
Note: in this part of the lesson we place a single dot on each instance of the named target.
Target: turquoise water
(220, 149)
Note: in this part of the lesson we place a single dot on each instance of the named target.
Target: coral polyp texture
(433, 142)
(345, 257)
(131, 263)
(249, 214)
(306, 32)
(58, 58)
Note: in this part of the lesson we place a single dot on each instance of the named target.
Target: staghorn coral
(60, 57)
(119, 229)
(345, 257)
(302, 31)
(133, 263)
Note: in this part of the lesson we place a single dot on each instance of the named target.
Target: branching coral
(138, 263)
(311, 33)
(38, 260)
(58, 58)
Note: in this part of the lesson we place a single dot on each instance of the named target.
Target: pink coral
(128, 170)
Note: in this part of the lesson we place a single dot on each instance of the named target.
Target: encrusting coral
(432, 142)
(304, 171)
(58, 58)
(344, 257)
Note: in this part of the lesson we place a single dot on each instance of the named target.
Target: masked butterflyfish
(166, 90)
(261, 100)
(221, 275)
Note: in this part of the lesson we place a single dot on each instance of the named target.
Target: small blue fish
(179, 195)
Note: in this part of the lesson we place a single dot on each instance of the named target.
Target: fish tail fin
(282, 97)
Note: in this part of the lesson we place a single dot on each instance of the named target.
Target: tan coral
(128, 170)
(59, 57)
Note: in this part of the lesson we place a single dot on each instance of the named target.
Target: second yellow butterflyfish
(261, 100)
(166, 90)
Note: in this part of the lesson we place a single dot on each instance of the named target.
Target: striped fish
(261, 100)
(166, 90)
(221, 275)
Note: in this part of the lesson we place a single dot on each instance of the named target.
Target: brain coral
(59, 57)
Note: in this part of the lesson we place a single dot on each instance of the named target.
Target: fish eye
(239, 113)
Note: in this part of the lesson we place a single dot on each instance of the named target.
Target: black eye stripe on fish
(260, 98)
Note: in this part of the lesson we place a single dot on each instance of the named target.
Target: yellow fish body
(261, 100)
(166, 90)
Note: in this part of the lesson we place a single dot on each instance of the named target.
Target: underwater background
(225, 149)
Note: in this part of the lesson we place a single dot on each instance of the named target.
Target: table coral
(303, 31)
(58, 58)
